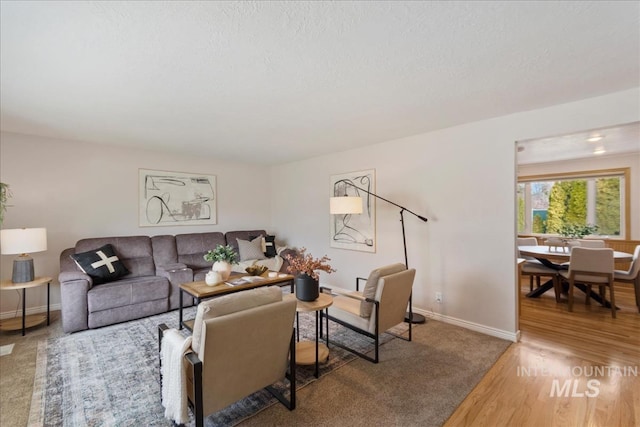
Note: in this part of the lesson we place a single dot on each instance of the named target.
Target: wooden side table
(32, 319)
(305, 354)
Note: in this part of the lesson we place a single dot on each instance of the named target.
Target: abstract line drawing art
(176, 198)
(355, 232)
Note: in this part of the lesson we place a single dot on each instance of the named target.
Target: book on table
(244, 280)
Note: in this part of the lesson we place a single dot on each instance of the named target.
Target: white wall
(631, 161)
(463, 180)
(79, 190)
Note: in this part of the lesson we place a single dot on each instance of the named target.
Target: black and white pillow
(102, 264)
(268, 245)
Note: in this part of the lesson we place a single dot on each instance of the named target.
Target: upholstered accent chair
(381, 305)
(241, 343)
(591, 266)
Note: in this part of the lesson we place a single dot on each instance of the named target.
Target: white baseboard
(30, 310)
(487, 330)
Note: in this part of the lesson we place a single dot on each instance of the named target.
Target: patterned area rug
(110, 376)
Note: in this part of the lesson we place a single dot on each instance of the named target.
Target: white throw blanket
(174, 381)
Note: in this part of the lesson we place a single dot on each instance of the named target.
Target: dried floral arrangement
(304, 263)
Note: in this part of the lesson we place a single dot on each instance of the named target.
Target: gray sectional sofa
(157, 267)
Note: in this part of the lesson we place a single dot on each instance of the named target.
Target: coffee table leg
(180, 315)
(48, 300)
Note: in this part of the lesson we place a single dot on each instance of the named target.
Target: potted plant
(305, 268)
(222, 257)
(577, 231)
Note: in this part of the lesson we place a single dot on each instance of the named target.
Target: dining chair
(381, 305)
(590, 266)
(534, 268)
(591, 243)
(632, 275)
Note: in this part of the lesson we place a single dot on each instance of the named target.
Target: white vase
(212, 278)
(222, 267)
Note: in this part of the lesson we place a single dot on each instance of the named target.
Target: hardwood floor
(569, 369)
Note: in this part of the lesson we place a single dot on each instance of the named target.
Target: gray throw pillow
(251, 249)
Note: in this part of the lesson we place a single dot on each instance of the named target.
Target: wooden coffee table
(200, 290)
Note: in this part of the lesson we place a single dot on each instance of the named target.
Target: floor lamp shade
(345, 205)
(23, 241)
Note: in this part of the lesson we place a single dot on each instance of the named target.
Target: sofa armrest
(177, 273)
(74, 303)
(284, 252)
(70, 276)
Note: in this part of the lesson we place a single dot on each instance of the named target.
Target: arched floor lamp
(343, 205)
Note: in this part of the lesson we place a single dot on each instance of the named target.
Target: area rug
(110, 376)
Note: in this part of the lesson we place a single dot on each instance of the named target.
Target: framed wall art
(349, 231)
(176, 198)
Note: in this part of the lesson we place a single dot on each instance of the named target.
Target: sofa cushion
(125, 292)
(232, 303)
(192, 247)
(164, 250)
(102, 264)
(250, 249)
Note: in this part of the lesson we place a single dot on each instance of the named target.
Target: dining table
(558, 258)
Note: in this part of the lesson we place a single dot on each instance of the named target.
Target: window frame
(597, 173)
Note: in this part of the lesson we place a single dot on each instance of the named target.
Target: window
(546, 203)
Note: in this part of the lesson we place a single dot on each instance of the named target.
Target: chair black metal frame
(375, 336)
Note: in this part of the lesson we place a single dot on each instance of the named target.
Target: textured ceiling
(616, 140)
(278, 81)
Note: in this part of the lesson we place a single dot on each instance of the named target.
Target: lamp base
(22, 269)
(415, 318)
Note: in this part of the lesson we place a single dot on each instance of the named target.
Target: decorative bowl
(256, 270)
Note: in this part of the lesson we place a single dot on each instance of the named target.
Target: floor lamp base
(414, 318)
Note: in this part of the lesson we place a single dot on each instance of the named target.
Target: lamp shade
(345, 205)
(23, 240)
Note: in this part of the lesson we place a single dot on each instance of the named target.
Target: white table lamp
(23, 241)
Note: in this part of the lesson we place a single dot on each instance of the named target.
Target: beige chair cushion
(590, 260)
(348, 310)
(228, 304)
(371, 287)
